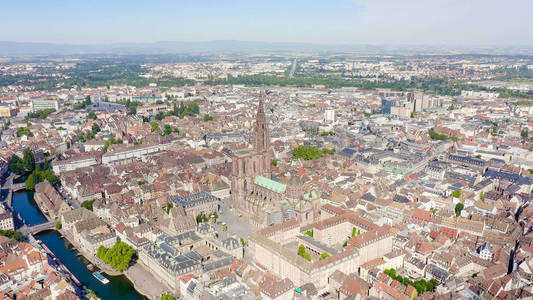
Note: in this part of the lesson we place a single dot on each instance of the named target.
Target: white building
(486, 251)
(329, 116)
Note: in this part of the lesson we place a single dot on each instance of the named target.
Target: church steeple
(261, 135)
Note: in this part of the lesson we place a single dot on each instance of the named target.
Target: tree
(160, 116)
(310, 152)
(303, 253)
(167, 130)
(201, 218)
(118, 257)
(28, 160)
(324, 255)
(154, 125)
(353, 231)
(524, 133)
(58, 225)
(16, 166)
(95, 128)
(39, 176)
(91, 115)
(309, 232)
(436, 136)
(481, 196)
(420, 286)
(24, 131)
(88, 204)
(6, 125)
(17, 235)
(168, 207)
(207, 118)
(110, 142)
(31, 181)
(167, 297)
(458, 208)
(89, 136)
(432, 284)
(41, 114)
(274, 162)
(456, 194)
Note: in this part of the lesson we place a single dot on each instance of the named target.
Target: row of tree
(420, 285)
(41, 114)
(441, 86)
(17, 235)
(180, 111)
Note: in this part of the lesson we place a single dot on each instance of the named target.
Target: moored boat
(100, 277)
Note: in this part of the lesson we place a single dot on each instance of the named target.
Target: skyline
(359, 22)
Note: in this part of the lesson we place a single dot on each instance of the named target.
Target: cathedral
(256, 196)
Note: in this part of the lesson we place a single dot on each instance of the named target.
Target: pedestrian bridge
(26, 230)
(18, 186)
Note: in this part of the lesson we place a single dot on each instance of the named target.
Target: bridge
(27, 230)
(18, 186)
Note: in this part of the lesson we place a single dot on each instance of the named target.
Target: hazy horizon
(443, 23)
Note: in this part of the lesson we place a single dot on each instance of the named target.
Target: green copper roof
(311, 195)
(270, 184)
(242, 152)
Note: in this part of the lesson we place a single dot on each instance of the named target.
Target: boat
(90, 267)
(100, 277)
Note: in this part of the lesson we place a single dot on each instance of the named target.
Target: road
(293, 68)
(6, 186)
(73, 203)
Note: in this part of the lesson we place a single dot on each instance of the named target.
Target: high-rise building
(329, 116)
(386, 106)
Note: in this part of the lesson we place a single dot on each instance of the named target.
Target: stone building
(256, 196)
(49, 201)
(198, 203)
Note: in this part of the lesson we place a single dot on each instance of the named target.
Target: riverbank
(91, 258)
(144, 282)
(120, 287)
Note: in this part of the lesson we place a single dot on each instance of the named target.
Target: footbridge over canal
(34, 229)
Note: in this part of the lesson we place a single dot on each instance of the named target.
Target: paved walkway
(145, 282)
(236, 224)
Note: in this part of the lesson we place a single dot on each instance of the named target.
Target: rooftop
(270, 184)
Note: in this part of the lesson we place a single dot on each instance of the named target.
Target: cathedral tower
(247, 164)
(261, 136)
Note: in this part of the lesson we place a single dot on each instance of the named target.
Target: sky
(351, 22)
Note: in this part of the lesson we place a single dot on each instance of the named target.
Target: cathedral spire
(261, 135)
(260, 109)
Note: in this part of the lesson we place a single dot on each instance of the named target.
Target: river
(119, 287)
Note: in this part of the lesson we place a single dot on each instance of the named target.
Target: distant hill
(232, 46)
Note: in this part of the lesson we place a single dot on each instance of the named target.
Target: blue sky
(402, 22)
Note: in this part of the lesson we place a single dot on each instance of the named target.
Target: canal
(119, 287)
